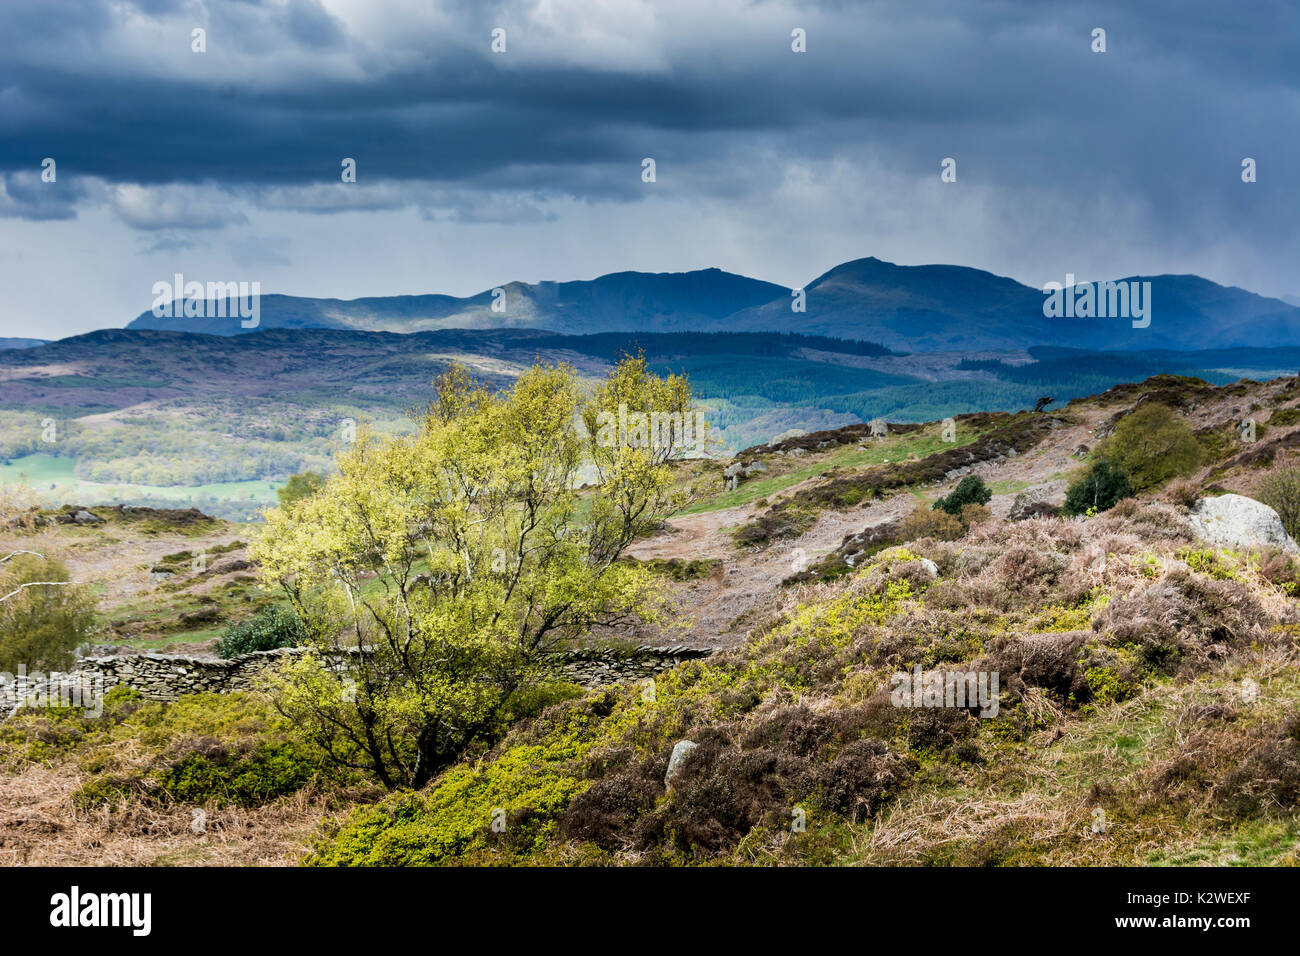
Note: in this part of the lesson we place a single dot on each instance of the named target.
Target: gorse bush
(271, 627)
(1151, 445)
(1097, 489)
(970, 490)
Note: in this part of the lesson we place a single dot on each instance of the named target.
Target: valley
(218, 422)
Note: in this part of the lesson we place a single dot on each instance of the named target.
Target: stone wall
(168, 676)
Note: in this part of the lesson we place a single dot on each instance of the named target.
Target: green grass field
(55, 478)
(918, 444)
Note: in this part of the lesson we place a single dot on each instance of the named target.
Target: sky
(476, 167)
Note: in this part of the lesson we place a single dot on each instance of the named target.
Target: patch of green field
(54, 478)
(850, 457)
(39, 471)
(255, 490)
(1008, 486)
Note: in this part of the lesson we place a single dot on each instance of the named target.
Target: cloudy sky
(476, 167)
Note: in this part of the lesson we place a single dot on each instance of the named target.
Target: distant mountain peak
(932, 307)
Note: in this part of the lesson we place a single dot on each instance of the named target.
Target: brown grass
(41, 826)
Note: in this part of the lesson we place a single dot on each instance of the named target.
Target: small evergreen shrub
(970, 490)
(271, 627)
(1097, 489)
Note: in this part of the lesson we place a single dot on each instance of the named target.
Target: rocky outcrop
(1240, 522)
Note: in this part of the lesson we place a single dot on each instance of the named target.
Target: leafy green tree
(43, 616)
(463, 558)
(970, 490)
(300, 486)
(1097, 489)
(1152, 445)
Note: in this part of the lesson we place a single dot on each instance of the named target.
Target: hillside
(217, 422)
(906, 308)
(1148, 677)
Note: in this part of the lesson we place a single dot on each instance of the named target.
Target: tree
(299, 486)
(1151, 445)
(43, 616)
(970, 490)
(461, 559)
(1097, 489)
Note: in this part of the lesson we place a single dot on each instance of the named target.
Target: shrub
(970, 490)
(1285, 416)
(1097, 489)
(271, 627)
(235, 776)
(1281, 492)
(41, 624)
(1277, 567)
(1183, 493)
(1152, 445)
(300, 486)
(928, 523)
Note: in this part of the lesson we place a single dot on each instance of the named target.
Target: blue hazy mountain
(905, 308)
(619, 302)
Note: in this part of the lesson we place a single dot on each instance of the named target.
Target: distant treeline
(612, 345)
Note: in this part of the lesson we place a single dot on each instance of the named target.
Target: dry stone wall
(169, 676)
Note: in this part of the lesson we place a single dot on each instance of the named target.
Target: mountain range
(905, 308)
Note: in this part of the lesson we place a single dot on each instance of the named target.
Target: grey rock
(1238, 521)
(677, 758)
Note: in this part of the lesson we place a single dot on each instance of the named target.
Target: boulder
(1238, 521)
(678, 757)
(85, 517)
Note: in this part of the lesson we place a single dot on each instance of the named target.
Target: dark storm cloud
(1010, 89)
